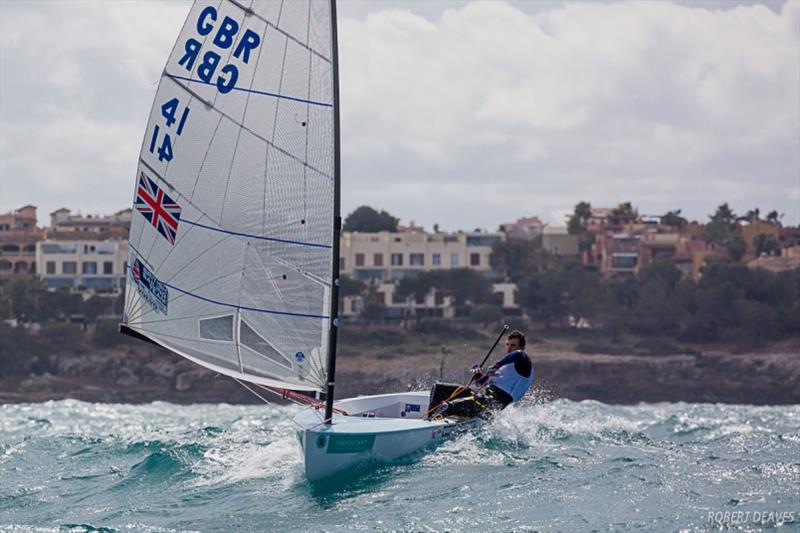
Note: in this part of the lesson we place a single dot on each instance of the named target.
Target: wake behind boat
(234, 244)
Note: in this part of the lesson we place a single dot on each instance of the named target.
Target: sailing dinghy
(234, 243)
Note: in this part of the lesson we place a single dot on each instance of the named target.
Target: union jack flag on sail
(158, 208)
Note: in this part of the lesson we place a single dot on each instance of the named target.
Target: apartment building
(65, 225)
(91, 265)
(434, 304)
(18, 237)
(385, 256)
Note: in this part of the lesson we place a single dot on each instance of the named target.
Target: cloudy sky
(466, 114)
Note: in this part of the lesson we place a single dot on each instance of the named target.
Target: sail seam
(255, 91)
(245, 308)
(259, 237)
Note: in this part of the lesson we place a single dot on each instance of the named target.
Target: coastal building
(558, 241)
(65, 225)
(18, 237)
(432, 305)
(86, 265)
(524, 228)
(385, 256)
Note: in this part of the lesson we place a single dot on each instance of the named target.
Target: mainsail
(231, 242)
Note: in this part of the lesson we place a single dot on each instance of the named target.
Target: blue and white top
(514, 374)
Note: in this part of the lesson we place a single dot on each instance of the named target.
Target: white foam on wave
(252, 449)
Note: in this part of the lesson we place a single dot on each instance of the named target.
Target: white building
(90, 265)
(385, 256)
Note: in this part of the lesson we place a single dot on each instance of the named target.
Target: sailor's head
(515, 341)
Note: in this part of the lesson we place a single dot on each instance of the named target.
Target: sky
(468, 114)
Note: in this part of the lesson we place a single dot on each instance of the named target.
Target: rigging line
(249, 130)
(246, 308)
(255, 91)
(293, 421)
(258, 237)
(279, 30)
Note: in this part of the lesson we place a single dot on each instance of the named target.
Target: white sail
(232, 231)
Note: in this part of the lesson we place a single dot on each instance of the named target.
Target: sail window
(249, 338)
(217, 329)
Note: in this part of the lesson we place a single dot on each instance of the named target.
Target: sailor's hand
(476, 369)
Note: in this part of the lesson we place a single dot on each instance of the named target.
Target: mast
(337, 222)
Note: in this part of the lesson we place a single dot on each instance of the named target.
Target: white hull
(377, 428)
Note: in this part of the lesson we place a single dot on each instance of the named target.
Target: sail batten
(231, 241)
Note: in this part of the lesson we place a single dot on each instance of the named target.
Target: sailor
(509, 379)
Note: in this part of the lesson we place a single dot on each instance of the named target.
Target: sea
(542, 465)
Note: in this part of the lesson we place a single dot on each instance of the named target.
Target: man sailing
(509, 379)
(489, 390)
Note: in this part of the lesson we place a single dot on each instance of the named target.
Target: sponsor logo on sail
(150, 288)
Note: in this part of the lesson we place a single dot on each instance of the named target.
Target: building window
(108, 267)
(436, 259)
(438, 298)
(454, 261)
(51, 267)
(89, 267)
(359, 260)
(475, 260)
(377, 260)
(416, 260)
(69, 267)
(397, 259)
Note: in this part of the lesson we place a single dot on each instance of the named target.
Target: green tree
(350, 287)
(514, 258)
(773, 218)
(721, 225)
(736, 247)
(374, 307)
(466, 286)
(580, 216)
(368, 220)
(753, 215)
(24, 298)
(658, 308)
(622, 212)
(673, 219)
(766, 244)
(544, 296)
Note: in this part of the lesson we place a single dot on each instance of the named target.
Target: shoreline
(143, 374)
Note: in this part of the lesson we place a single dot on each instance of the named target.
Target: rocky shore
(140, 374)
